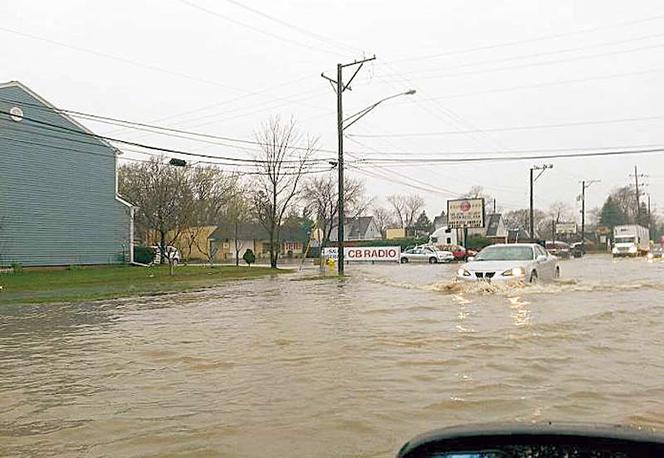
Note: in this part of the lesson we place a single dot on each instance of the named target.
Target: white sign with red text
(367, 253)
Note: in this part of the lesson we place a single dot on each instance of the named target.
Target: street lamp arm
(360, 114)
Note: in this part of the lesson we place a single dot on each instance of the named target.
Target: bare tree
(237, 214)
(283, 161)
(406, 208)
(163, 196)
(520, 219)
(476, 192)
(321, 198)
(211, 191)
(383, 217)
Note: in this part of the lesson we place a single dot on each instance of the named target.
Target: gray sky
(478, 66)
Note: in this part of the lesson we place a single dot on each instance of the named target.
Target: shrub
(144, 254)
(477, 242)
(249, 256)
(17, 267)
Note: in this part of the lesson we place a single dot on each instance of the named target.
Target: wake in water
(454, 287)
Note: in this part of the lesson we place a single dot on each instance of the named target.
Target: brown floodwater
(355, 367)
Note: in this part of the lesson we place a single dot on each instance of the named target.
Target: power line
(547, 53)
(536, 64)
(121, 59)
(512, 128)
(317, 36)
(532, 40)
(423, 161)
(256, 29)
(141, 126)
(150, 147)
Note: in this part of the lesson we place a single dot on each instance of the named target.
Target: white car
(172, 253)
(426, 254)
(527, 262)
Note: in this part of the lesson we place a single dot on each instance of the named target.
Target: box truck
(630, 240)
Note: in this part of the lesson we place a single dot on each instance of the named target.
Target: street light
(360, 114)
(342, 125)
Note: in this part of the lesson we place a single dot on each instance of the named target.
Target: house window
(448, 230)
(434, 239)
(449, 240)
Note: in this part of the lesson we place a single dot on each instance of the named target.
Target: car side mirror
(471, 258)
(542, 258)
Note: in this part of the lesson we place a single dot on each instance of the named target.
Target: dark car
(577, 249)
(558, 249)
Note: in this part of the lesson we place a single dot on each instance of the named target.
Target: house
(495, 228)
(59, 203)
(392, 233)
(358, 228)
(250, 235)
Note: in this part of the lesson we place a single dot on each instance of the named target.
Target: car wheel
(556, 273)
(404, 260)
(433, 260)
(533, 276)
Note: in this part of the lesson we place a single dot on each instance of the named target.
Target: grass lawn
(90, 283)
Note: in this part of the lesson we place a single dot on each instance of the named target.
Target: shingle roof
(246, 231)
(492, 224)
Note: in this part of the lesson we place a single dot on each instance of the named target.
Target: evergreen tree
(611, 214)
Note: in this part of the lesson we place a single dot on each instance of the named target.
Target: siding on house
(58, 190)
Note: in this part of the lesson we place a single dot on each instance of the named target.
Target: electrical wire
(512, 128)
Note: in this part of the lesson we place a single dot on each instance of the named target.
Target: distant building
(392, 233)
(358, 228)
(495, 228)
(59, 202)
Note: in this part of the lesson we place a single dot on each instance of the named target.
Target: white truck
(630, 240)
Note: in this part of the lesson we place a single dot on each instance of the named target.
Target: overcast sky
(481, 69)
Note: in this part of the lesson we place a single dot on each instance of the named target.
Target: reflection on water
(331, 368)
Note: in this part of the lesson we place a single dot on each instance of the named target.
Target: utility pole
(533, 179)
(649, 220)
(339, 87)
(585, 184)
(638, 194)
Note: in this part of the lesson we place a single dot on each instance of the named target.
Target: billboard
(465, 213)
(565, 228)
(370, 253)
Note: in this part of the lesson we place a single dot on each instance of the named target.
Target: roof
(492, 224)
(358, 226)
(246, 231)
(57, 110)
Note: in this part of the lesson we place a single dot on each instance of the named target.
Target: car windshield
(505, 253)
(624, 240)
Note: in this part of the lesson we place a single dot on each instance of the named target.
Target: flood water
(355, 367)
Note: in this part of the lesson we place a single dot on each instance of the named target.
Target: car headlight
(463, 272)
(515, 272)
(632, 249)
(614, 250)
(650, 255)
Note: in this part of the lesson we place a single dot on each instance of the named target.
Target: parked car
(459, 252)
(426, 254)
(172, 253)
(577, 249)
(558, 249)
(656, 252)
(510, 262)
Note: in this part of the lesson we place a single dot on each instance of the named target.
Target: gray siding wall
(57, 192)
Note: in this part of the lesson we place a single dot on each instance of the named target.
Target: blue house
(58, 188)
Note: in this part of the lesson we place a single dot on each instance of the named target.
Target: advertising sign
(565, 228)
(465, 213)
(370, 253)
